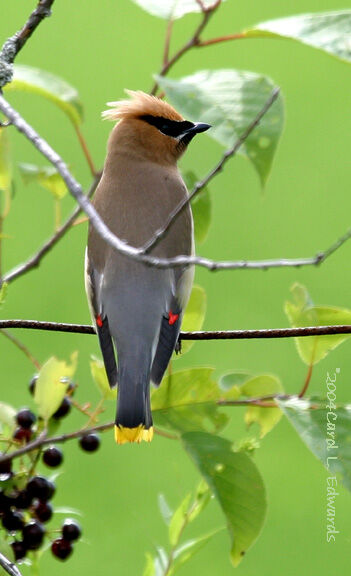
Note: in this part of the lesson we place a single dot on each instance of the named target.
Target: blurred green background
(101, 48)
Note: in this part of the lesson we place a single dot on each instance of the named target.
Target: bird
(136, 308)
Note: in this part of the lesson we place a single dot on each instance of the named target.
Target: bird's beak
(197, 128)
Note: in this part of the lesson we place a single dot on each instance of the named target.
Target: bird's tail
(133, 419)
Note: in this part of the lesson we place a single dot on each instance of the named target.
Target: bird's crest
(140, 104)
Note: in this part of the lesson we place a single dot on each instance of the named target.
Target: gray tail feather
(133, 404)
(108, 352)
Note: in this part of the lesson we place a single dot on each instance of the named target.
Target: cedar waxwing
(138, 307)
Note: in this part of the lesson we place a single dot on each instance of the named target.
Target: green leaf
(236, 484)
(172, 9)
(202, 498)
(51, 87)
(231, 384)
(326, 431)
(194, 316)
(327, 31)
(187, 550)
(165, 509)
(230, 100)
(46, 176)
(7, 418)
(263, 385)
(3, 293)
(186, 401)
(302, 312)
(201, 208)
(149, 569)
(52, 384)
(5, 172)
(178, 520)
(98, 373)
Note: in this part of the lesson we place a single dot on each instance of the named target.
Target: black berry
(41, 488)
(71, 530)
(25, 418)
(63, 409)
(52, 457)
(89, 442)
(22, 500)
(5, 467)
(43, 511)
(32, 384)
(22, 434)
(61, 548)
(33, 534)
(12, 520)
(19, 549)
(5, 502)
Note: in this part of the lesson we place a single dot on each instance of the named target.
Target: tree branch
(14, 44)
(123, 247)
(8, 566)
(200, 335)
(218, 168)
(34, 261)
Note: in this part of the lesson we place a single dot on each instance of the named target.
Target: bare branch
(34, 261)
(218, 168)
(123, 247)
(14, 44)
(21, 347)
(8, 566)
(200, 335)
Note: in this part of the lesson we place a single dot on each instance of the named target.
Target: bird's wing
(171, 323)
(93, 284)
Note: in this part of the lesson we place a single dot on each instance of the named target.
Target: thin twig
(123, 247)
(194, 40)
(300, 332)
(220, 39)
(86, 151)
(21, 347)
(14, 44)
(8, 566)
(34, 261)
(218, 168)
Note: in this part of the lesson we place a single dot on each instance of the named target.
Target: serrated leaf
(302, 312)
(165, 509)
(236, 484)
(194, 316)
(51, 87)
(262, 385)
(230, 100)
(326, 431)
(177, 522)
(51, 386)
(327, 31)
(172, 9)
(98, 373)
(7, 418)
(45, 176)
(201, 208)
(186, 401)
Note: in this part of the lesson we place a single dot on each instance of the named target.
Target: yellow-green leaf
(52, 384)
(302, 312)
(186, 400)
(98, 373)
(194, 316)
(263, 385)
(5, 172)
(51, 87)
(45, 176)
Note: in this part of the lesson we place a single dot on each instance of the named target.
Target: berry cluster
(25, 495)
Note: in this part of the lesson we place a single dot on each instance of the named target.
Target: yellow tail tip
(124, 435)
